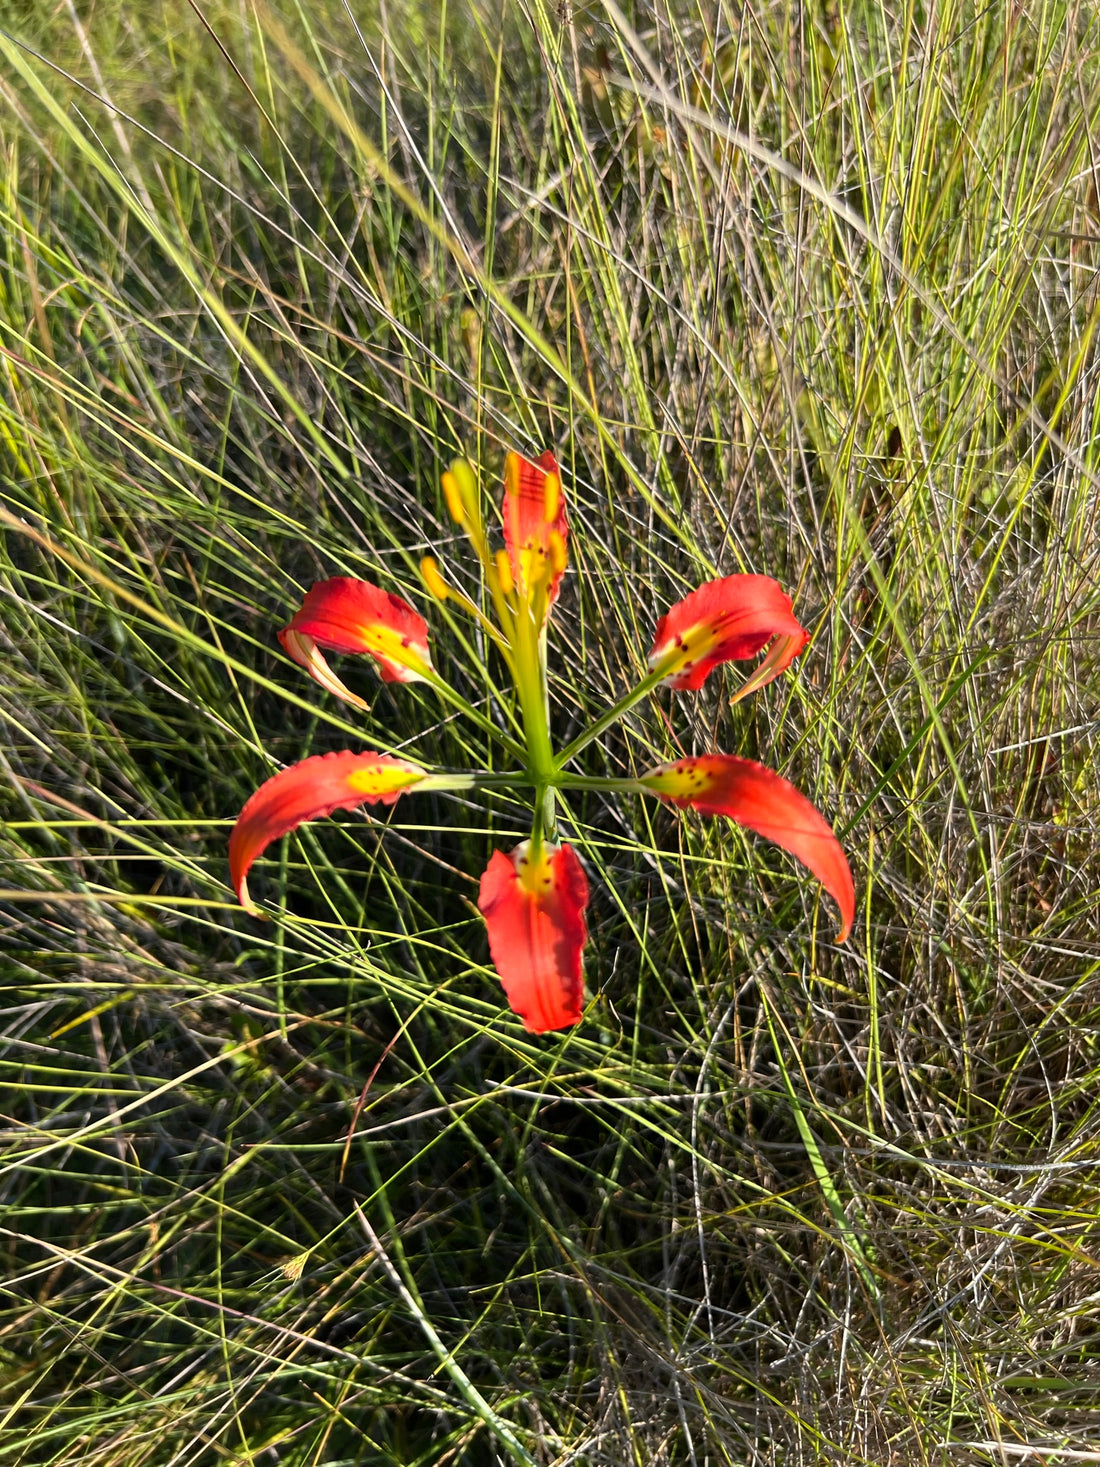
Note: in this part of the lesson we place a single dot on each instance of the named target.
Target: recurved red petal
(534, 911)
(535, 527)
(762, 801)
(347, 615)
(723, 621)
(307, 791)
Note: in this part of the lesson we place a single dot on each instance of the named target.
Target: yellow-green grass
(802, 290)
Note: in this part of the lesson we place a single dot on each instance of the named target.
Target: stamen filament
(460, 481)
(500, 639)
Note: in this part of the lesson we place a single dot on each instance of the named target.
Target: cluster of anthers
(534, 898)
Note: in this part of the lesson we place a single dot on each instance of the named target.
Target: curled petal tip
(723, 621)
(307, 791)
(778, 658)
(762, 801)
(347, 615)
(306, 653)
(534, 912)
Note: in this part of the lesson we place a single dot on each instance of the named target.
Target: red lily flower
(723, 621)
(761, 800)
(534, 899)
(346, 615)
(534, 911)
(535, 526)
(317, 786)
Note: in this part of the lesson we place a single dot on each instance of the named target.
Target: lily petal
(724, 621)
(762, 801)
(346, 615)
(535, 527)
(534, 911)
(316, 787)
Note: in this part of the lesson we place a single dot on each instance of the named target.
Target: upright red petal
(346, 615)
(724, 621)
(535, 527)
(307, 791)
(761, 800)
(534, 911)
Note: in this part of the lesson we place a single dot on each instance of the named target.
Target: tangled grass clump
(806, 292)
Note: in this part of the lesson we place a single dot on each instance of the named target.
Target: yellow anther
(551, 498)
(467, 482)
(429, 574)
(504, 572)
(557, 552)
(453, 495)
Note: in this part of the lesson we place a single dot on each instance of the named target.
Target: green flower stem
(546, 814)
(548, 801)
(446, 781)
(508, 779)
(534, 850)
(601, 784)
(531, 690)
(616, 711)
(523, 779)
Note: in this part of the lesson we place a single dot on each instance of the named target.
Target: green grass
(808, 291)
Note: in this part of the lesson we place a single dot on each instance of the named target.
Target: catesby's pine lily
(534, 898)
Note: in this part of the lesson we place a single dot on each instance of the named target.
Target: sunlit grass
(809, 292)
